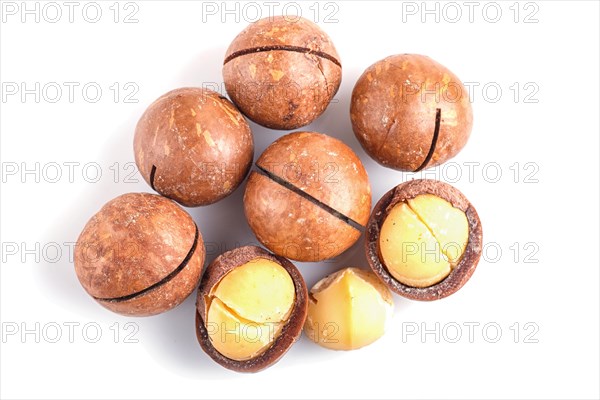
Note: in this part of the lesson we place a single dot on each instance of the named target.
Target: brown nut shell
(282, 72)
(193, 146)
(290, 332)
(410, 113)
(141, 254)
(291, 225)
(468, 262)
(324, 168)
(310, 199)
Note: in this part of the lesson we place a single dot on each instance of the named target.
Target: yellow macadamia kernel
(248, 308)
(236, 337)
(348, 310)
(422, 240)
(448, 224)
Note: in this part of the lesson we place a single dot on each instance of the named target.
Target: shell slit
(152, 175)
(310, 198)
(164, 280)
(297, 49)
(436, 134)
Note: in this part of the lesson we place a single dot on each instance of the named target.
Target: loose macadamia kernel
(348, 309)
(410, 112)
(141, 254)
(432, 236)
(251, 307)
(282, 72)
(193, 146)
(309, 198)
(424, 239)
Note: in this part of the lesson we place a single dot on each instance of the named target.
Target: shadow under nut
(470, 257)
(290, 333)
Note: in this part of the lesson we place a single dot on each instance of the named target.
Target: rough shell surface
(193, 146)
(282, 73)
(394, 109)
(141, 254)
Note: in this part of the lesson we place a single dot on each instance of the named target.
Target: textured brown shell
(290, 332)
(292, 226)
(465, 268)
(281, 72)
(141, 254)
(283, 30)
(193, 146)
(394, 112)
(323, 167)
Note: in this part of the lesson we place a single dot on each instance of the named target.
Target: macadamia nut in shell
(193, 146)
(282, 72)
(141, 254)
(309, 197)
(424, 239)
(410, 112)
(251, 307)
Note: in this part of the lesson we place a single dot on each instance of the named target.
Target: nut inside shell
(462, 269)
(282, 72)
(215, 274)
(410, 113)
(194, 146)
(141, 254)
(310, 197)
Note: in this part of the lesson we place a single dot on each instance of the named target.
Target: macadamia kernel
(423, 239)
(248, 308)
(348, 310)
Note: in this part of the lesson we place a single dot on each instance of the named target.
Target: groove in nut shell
(296, 49)
(436, 134)
(310, 198)
(152, 176)
(163, 281)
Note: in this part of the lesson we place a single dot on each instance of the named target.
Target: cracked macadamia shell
(308, 198)
(288, 335)
(193, 146)
(282, 72)
(465, 267)
(410, 112)
(141, 254)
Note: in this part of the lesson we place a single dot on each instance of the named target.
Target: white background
(549, 208)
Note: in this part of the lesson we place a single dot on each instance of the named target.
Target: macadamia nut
(410, 112)
(193, 146)
(348, 310)
(309, 198)
(141, 254)
(282, 72)
(250, 308)
(424, 239)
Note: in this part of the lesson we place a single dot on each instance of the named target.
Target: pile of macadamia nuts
(308, 198)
